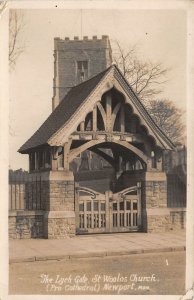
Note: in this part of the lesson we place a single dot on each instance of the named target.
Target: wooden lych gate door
(90, 210)
(100, 213)
(125, 211)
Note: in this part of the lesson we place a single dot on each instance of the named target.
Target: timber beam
(107, 157)
(102, 135)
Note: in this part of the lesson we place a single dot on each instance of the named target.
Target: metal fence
(25, 192)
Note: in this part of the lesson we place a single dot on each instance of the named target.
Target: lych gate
(103, 116)
(98, 213)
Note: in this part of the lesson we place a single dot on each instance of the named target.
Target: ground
(154, 274)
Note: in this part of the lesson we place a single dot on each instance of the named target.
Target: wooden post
(30, 161)
(54, 158)
(99, 214)
(82, 126)
(92, 214)
(76, 206)
(139, 204)
(85, 214)
(109, 112)
(65, 157)
(159, 162)
(125, 211)
(66, 154)
(36, 154)
(94, 124)
(122, 119)
(108, 212)
(131, 212)
(43, 159)
(118, 212)
(149, 165)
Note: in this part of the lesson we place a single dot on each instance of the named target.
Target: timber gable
(81, 100)
(113, 79)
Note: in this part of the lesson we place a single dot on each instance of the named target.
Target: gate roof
(77, 97)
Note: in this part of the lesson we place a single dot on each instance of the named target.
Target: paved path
(97, 245)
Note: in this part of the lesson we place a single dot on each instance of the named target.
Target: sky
(160, 36)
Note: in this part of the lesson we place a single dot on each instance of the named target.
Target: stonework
(154, 194)
(156, 224)
(61, 225)
(67, 53)
(61, 196)
(177, 218)
(59, 219)
(50, 207)
(155, 215)
(164, 220)
(26, 224)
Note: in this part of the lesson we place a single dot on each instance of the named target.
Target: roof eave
(27, 150)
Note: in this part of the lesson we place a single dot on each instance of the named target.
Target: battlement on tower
(79, 44)
(85, 38)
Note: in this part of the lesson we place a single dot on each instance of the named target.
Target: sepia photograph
(97, 174)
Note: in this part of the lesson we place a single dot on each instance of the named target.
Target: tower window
(82, 76)
(82, 65)
(82, 70)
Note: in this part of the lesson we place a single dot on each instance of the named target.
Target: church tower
(76, 61)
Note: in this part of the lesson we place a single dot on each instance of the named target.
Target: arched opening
(100, 121)
(88, 122)
(107, 165)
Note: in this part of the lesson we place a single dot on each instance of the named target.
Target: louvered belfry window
(82, 70)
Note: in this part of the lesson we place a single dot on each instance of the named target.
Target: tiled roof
(63, 112)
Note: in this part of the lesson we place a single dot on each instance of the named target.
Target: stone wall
(154, 194)
(57, 219)
(156, 215)
(164, 220)
(26, 224)
(53, 193)
(177, 218)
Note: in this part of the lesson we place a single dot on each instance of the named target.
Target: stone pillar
(155, 214)
(59, 218)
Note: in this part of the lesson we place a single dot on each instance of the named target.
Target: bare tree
(169, 118)
(16, 44)
(3, 5)
(146, 78)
